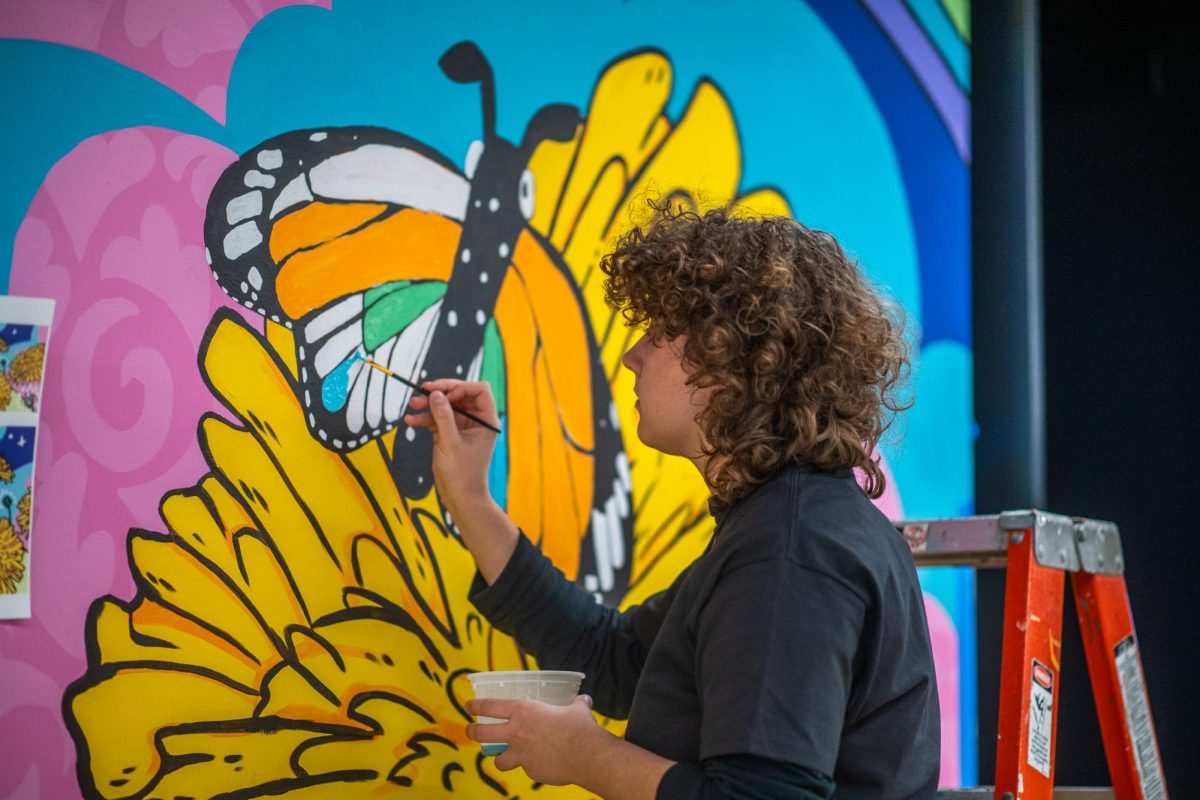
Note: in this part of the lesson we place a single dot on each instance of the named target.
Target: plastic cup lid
(526, 675)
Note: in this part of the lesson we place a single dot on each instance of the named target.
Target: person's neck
(700, 462)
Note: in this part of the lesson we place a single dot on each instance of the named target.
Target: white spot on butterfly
(245, 287)
(259, 180)
(320, 136)
(208, 258)
(324, 436)
(466, 256)
(480, 317)
(494, 205)
(255, 278)
(244, 206)
(241, 239)
(483, 277)
(410, 434)
(452, 319)
(503, 250)
(270, 159)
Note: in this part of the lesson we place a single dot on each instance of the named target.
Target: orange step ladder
(1039, 550)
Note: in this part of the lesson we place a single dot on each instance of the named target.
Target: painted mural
(238, 202)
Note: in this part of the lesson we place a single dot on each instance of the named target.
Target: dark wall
(1120, 101)
(1121, 254)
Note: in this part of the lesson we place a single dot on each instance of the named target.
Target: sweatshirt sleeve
(563, 627)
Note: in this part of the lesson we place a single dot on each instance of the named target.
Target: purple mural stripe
(928, 67)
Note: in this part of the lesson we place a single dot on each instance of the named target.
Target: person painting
(792, 658)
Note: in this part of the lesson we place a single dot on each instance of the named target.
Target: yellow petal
(283, 344)
(253, 754)
(180, 581)
(624, 121)
(296, 696)
(119, 716)
(358, 654)
(154, 633)
(249, 380)
(762, 203)
(401, 731)
(701, 157)
(550, 164)
(409, 571)
(239, 458)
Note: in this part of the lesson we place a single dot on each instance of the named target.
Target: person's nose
(633, 356)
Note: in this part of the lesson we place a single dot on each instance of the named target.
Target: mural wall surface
(247, 586)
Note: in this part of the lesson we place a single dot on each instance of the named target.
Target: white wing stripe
(358, 400)
(333, 318)
(378, 385)
(407, 356)
(295, 192)
(337, 349)
(394, 175)
(600, 537)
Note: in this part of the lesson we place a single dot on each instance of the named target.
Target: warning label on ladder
(1137, 719)
(1041, 717)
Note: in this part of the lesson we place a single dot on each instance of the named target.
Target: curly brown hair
(804, 359)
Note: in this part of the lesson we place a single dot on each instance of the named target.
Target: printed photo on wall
(16, 510)
(22, 356)
(24, 331)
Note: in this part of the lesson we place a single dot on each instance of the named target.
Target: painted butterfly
(362, 240)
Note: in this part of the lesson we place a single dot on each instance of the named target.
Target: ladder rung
(1060, 793)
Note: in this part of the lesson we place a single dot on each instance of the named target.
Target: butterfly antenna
(465, 63)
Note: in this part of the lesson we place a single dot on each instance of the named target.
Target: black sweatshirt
(794, 649)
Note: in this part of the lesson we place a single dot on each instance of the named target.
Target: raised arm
(520, 591)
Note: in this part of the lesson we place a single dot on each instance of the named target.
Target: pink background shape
(115, 236)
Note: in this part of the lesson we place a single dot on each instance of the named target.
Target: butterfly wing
(590, 190)
(568, 480)
(346, 236)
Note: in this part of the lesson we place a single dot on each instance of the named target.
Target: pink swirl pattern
(114, 235)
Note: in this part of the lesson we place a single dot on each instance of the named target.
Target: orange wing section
(318, 223)
(409, 244)
(551, 467)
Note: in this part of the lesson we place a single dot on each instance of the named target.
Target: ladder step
(1060, 793)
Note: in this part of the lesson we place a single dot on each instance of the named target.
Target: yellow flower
(26, 365)
(22, 525)
(302, 629)
(12, 558)
(6, 392)
(6, 470)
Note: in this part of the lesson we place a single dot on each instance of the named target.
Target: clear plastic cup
(556, 687)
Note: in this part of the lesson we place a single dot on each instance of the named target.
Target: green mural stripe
(395, 311)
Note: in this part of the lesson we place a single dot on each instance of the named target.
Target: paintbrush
(417, 388)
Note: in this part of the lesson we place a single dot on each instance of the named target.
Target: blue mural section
(836, 107)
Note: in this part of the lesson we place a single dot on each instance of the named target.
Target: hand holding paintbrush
(424, 393)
